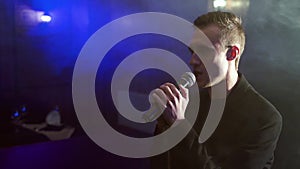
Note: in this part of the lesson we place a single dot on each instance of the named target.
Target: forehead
(213, 33)
(206, 38)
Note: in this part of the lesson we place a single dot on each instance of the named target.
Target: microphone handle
(151, 114)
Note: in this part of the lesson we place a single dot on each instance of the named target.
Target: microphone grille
(190, 78)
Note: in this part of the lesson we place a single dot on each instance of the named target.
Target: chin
(203, 84)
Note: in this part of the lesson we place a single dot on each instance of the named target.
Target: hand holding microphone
(170, 100)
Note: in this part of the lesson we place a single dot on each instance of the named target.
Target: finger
(167, 91)
(184, 91)
(174, 89)
(172, 105)
(166, 88)
(169, 115)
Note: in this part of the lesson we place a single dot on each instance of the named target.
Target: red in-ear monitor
(232, 52)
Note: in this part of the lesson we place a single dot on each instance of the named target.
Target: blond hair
(231, 29)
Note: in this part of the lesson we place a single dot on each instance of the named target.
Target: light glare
(219, 3)
(45, 18)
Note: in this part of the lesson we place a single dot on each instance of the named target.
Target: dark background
(37, 59)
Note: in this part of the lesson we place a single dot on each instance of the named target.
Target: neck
(231, 80)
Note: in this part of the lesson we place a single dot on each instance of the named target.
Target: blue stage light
(16, 114)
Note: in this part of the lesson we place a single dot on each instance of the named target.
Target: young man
(250, 126)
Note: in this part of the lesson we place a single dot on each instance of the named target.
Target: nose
(195, 60)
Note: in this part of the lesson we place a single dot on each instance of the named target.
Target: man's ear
(232, 53)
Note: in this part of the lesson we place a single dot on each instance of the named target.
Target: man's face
(212, 57)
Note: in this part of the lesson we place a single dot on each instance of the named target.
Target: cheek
(217, 69)
(222, 64)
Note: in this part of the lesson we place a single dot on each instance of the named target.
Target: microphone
(188, 79)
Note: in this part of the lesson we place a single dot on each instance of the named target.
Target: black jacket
(245, 138)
